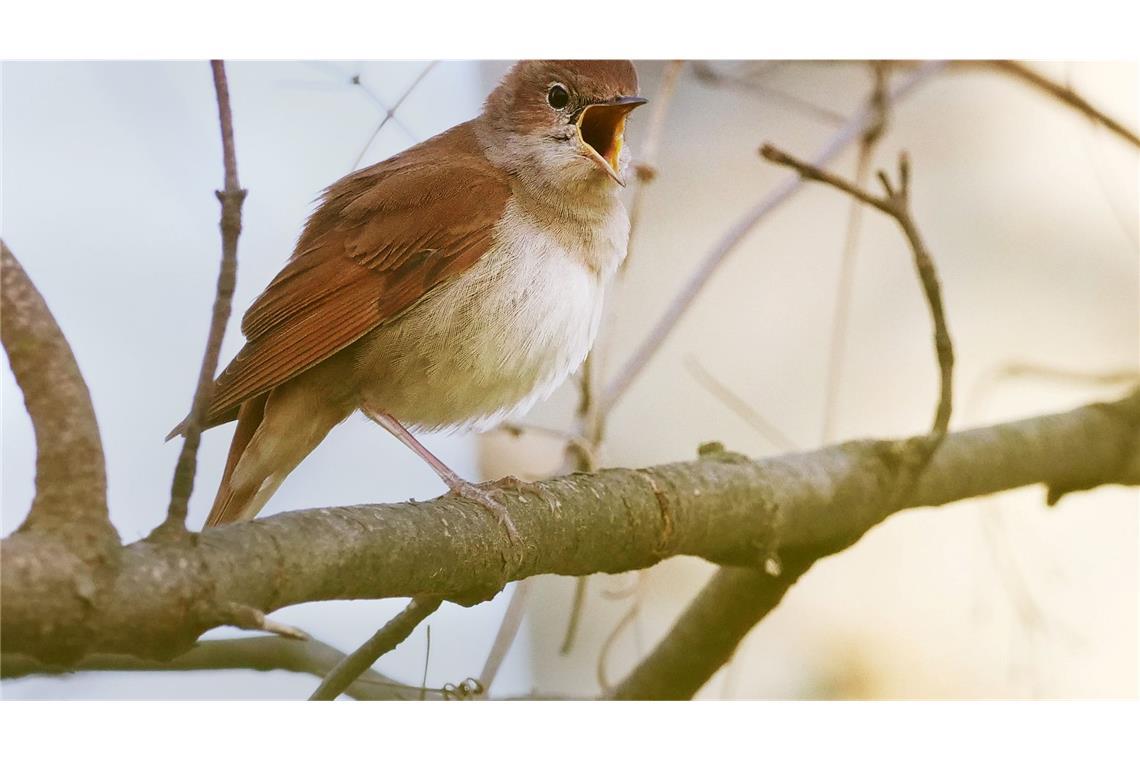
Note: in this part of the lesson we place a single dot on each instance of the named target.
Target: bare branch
(231, 197)
(739, 406)
(723, 507)
(512, 621)
(383, 641)
(896, 204)
(391, 111)
(737, 599)
(846, 281)
(260, 653)
(250, 619)
(71, 479)
(752, 84)
(646, 166)
(647, 349)
(1061, 92)
(577, 604)
(77, 547)
(708, 632)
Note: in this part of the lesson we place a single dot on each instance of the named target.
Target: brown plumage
(366, 255)
(450, 283)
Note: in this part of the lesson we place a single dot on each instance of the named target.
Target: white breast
(502, 335)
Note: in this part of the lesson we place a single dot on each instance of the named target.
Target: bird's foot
(479, 495)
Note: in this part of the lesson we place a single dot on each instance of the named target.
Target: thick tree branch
(708, 632)
(723, 507)
(71, 479)
(76, 545)
(231, 197)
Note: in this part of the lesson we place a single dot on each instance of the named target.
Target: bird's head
(561, 124)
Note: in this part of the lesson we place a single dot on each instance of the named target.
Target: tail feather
(226, 508)
(228, 416)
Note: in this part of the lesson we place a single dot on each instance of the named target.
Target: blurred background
(1029, 210)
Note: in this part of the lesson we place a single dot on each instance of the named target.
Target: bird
(448, 287)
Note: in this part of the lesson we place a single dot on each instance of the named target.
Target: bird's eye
(557, 97)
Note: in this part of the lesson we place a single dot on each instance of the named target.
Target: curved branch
(1064, 94)
(260, 653)
(67, 542)
(896, 204)
(71, 476)
(723, 507)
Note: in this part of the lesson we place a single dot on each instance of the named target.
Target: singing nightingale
(447, 287)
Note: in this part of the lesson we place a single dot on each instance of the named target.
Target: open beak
(601, 131)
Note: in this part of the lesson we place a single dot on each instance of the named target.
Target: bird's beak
(601, 132)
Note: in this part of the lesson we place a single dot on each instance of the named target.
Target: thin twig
(1066, 375)
(646, 165)
(1061, 92)
(508, 630)
(846, 282)
(712, 77)
(647, 349)
(392, 112)
(607, 646)
(576, 445)
(427, 661)
(231, 198)
(384, 640)
(896, 204)
(252, 619)
(739, 406)
(577, 604)
(260, 653)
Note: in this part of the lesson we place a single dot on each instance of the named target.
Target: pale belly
(486, 345)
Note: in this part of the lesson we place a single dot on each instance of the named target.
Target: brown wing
(380, 240)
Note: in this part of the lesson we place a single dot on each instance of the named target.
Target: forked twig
(391, 112)
(896, 203)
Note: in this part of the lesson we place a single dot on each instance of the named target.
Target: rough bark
(66, 543)
(724, 507)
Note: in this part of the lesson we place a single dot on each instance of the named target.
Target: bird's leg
(456, 484)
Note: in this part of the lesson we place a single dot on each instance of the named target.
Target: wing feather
(380, 240)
